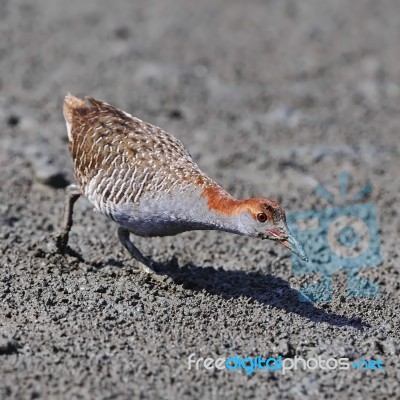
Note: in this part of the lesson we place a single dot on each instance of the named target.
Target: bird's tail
(70, 104)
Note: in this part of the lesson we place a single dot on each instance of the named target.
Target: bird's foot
(60, 240)
(145, 265)
(150, 269)
(59, 245)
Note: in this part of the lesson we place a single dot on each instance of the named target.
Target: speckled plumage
(119, 158)
(146, 181)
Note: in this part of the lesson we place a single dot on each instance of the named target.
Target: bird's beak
(293, 245)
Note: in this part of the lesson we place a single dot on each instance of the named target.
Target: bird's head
(256, 217)
(266, 219)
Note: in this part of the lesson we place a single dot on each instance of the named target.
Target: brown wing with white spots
(119, 158)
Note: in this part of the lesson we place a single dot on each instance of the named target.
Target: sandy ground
(270, 97)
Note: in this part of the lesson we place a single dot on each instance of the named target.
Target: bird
(143, 178)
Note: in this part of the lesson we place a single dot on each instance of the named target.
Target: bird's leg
(146, 264)
(72, 194)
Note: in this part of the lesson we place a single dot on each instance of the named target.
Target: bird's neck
(215, 209)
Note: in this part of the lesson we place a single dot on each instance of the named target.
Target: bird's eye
(261, 217)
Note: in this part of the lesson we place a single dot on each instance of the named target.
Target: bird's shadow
(263, 288)
(260, 287)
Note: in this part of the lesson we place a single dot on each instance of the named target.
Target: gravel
(271, 98)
